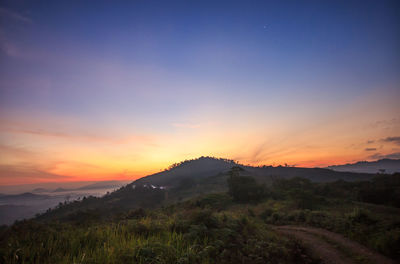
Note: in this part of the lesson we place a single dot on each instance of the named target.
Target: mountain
(25, 205)
(59, 189)
(384, 165)
(196, 168)
(185, 180)
(40, 190)
(93, 186)
(203, 167)
(207, 174)
(22, 196)
(102, 185)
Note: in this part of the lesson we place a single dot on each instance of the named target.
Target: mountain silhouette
(195, 168)
(204, 167)
(380, 166)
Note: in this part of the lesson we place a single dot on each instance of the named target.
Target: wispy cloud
(386, 124)
(257, 155)
(395, 140)
(16, 151)
(26, 173)
(395, 155)
(370, 141)
(69, 130)
(370, 149)
(16, 16)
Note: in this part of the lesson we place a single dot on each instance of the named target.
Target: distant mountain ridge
(40, 190)
(102, 185)
(22, 196)
(380, 166)
(93, 186)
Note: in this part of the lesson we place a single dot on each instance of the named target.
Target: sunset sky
(93, 90)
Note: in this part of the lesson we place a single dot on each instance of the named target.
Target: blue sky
(181, 72)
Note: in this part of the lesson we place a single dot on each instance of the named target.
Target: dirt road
(333, 248)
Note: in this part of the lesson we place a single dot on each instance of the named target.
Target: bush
(361, 216)
(389, 243)
(135, 214)
(266, 213)
(217, 201)
(155, 252)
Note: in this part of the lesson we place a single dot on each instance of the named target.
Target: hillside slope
(186, 180)
(209, 167)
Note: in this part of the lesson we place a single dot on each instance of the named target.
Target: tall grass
(189, 236)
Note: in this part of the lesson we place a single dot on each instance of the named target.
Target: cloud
(370, 141)
(9, 14)
(26, 173)
(68, 129)
(49, 133)
(86, 137)
(16, 151)
(395, 155)
(386, 124)
(370, 149)
(258, 154)
(395, 140)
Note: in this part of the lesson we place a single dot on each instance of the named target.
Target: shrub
(389, 243)
(137, 213)
(216, 201)
(155, 252)
(266, 213)
(361, 216)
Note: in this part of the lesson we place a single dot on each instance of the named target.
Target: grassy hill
(231, 226)
(204, 167)
(186, 180)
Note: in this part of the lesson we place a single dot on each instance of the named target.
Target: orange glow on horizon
(62, 149)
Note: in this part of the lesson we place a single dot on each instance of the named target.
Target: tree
(244, 188)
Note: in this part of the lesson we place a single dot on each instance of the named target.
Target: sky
(103, 90)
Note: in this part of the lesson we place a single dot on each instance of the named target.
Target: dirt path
(333, 248)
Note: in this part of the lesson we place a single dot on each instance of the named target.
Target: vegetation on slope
(194, 232)
(231, 226)
(184, 181)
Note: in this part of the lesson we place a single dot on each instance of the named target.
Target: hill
(209, 166)
(59, 189)
(40, 190)
(24, 205)
(188, 179)
(22, 196)
(196, 168)
(384, 165)
(292, 221)
(102, 185)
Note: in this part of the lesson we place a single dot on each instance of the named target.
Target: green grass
(212, 228)
(360, 222)
(191, 235)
